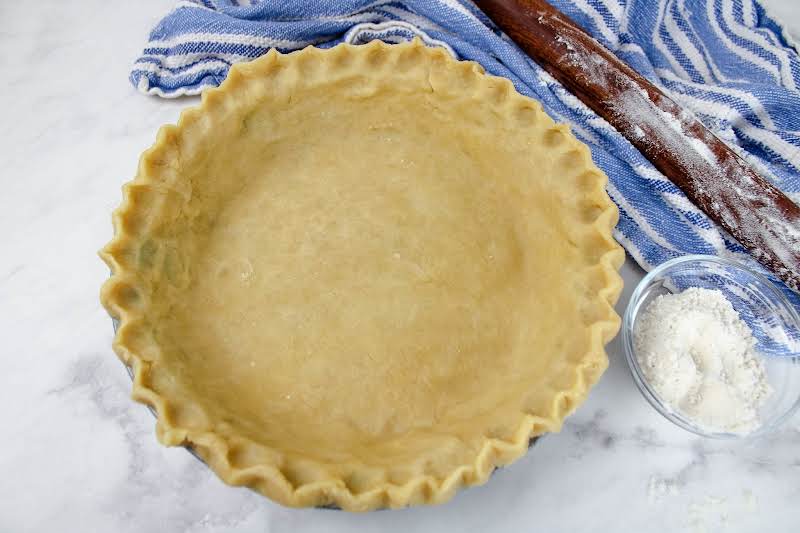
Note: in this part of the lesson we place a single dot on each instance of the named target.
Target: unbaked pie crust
(363, 276)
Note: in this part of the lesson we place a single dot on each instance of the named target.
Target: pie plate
(363, 277)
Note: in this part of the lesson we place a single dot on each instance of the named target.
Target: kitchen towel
(727, 61)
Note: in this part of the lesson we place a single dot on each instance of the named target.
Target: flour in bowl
(699, 356)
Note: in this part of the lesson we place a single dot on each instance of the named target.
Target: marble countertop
(78, 455)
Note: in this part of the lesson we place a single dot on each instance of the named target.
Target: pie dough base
(365, 280)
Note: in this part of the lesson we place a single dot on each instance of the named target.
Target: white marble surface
(76, 455)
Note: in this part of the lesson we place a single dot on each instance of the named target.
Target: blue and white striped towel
(727, 61)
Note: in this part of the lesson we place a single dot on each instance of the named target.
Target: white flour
(698, 355)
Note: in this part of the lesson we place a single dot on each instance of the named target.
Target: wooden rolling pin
(713, 177)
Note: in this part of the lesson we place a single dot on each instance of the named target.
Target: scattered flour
(698, 355)
(658, 489)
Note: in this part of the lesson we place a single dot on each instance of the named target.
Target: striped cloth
(727, 61)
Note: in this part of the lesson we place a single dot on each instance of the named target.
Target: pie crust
(363, 277)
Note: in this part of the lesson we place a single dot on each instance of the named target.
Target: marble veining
(78, 455)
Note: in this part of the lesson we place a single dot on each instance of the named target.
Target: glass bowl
(774, 321)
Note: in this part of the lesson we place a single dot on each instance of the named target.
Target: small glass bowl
(757, 300)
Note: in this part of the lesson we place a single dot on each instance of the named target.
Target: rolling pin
(719, 182)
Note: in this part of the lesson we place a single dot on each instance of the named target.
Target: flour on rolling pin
(692, 150)
(712, 175)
